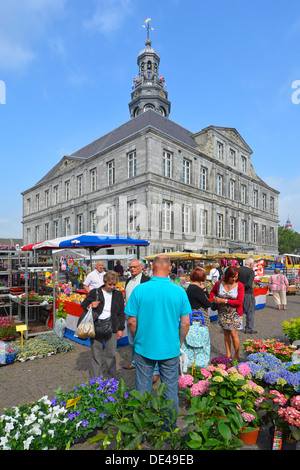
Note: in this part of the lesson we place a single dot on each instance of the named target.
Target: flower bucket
(249, 437)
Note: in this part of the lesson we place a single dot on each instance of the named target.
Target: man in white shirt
(95, 278)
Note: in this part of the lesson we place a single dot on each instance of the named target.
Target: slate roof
(147, 119)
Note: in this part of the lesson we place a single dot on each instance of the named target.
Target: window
(219, 185)
(244, 164)
(93, 221)
(111, 172)
(220, 150)
(167, 164)
(232, 228)
(67, 226)
(28, 235)
(254, 232)
(203, 222)
(219, 225)
(272, 238)
(79, 223)
(271, 205)
(28, 205)
(131, 210)
(203, 178)
(46, 231)
(131, 164)
(55, 228)
(37, 233)
(186, 219)
(243, 194)
(232, 157)
(264, 202)
(111, 219)
(47, 198)
(186, 171)
(93, 179)
(231, 189)
(79, 185)
(67, 190)
(166, 215)
(263, 235)
(55, 195)
(243, 230)
(37, 202)
(255, 197)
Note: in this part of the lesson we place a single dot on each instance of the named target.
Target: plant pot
(249, 437)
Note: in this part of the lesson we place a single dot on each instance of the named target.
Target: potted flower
(271, 346)
(7, 328)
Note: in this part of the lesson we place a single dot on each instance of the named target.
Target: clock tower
(149, 88)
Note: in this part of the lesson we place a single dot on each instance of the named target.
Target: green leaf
(161, 389)
(134, 442)
(138, 420)
(155, 402)
(194, 444)
(138, 395)
(224, 431)
(128, 428)
(122, 387)
(195, 436)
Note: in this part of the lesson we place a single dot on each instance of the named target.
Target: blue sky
(67, 68)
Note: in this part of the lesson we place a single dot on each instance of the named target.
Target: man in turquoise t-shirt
(158, 319)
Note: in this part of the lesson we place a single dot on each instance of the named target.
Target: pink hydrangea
(205, 373)
(211, 368)
(185, 381)
(295, 402)
(248, 417)
(199, 388)
(244, 369)
(291, 415)
(278, 397)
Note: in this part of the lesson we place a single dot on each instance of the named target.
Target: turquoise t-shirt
(158, 305)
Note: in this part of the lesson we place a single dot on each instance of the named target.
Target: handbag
(103, 328)
(214, 306)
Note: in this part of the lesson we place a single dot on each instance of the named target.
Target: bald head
(161, 266)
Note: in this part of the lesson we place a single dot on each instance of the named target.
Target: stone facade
(150, 178)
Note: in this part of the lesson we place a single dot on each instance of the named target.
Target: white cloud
(109, 15)
(22, 25)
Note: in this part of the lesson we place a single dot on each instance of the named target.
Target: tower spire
(148, 27)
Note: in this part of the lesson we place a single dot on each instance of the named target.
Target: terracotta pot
(249, 437)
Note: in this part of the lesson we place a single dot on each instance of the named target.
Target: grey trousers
(110, 357)
(249, 308)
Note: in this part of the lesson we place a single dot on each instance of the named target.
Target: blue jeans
(131, 344)
(168, 371)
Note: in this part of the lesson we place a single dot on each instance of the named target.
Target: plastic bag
(86, 328)
(60, 327)
(2, 352)
(183, 361)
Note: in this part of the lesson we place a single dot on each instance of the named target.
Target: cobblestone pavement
(26, 382)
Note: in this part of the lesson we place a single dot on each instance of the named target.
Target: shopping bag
(86, 328)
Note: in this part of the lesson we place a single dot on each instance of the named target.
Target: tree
(288, 241)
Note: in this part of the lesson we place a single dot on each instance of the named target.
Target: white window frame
(232, 190)
(167, 164)
(255, 198)
(56, 194)
(220, 226)
(79, 185)
(219, 185)
(67, 190)
(243, 230)
(79, 223)
(67, 226)
(110, 172)
(187, 164)
(186, 219)
(93, 221)
(131, 211)
(203, 178)
(93, 179)
(131, 164)
(203, 222)
(166, 216)
(111, 219)
(220, 150)
(232, 225)
(244, 164)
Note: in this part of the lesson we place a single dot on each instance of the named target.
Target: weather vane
(148, 27)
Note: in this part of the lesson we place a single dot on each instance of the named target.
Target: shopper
(278, 285)
(197, 293)
(118, 268)
(95, 278)
(155, 310)
(214, 273)
(107, 302)
(247, 279)
(229, 295)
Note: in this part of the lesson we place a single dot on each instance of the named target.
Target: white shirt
(106, 312)
(94, 279)
(214, 274)
(132, 283)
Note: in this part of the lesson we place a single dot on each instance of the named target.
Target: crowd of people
(157, 312)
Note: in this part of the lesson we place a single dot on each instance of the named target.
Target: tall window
(220, 229)
(219, 185)
(93, 179)
(186, 219)
(131, 210)
(231, 189)
(272, 238)
(111, 219)
(232, 156)
(167, 164)
(232, 228)
(55, 228)
(46, 231)
(110, 172)
(203, 222)
(67, 226)
(264, 202)
(28, 205)
(47, 198)
(166, 215)
(255, 197)
(203, 178)
(254, 232)
(243, 194)
(93, 221)
(79, 223)
(37, 233)
(79, 185)
(243, 230)
(271, 205)
(220, 150)
(244, 164)
(37, 201)
(186, 171)
(55, 194)
(263, 235)
(131, 164)
(67, 190)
